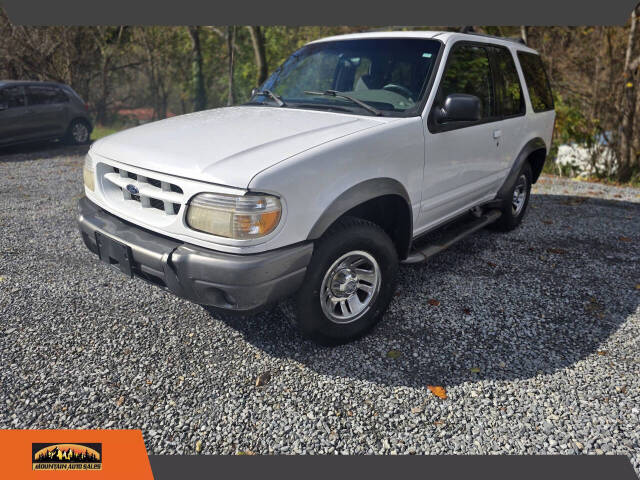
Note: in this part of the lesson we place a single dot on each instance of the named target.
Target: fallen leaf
(617, 195)
(120, 401)
(438, 391)
(263, 379)
(246, 452)
(149, 382)
(475, 370)
(433, 302)
(393, 354)
(419, 409)
(624, 239)
(602, 353)
(198, 446)
(439, 422)
(466, 311)
(547, 222)
(558, 251)
(2, 278)
(573, 201)
(637, 286)
(491, 264)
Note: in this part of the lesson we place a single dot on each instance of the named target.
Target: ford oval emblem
(132, 189)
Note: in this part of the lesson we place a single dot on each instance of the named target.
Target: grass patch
(100, 131)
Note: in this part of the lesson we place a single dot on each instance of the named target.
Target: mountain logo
(66, 456)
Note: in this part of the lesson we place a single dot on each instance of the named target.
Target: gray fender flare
(357, 195)
(530, 147)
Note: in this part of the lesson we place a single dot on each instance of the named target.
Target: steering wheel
(404, 91)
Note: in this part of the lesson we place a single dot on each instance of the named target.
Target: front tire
(78, 133)
(348, 285)
(514, 206)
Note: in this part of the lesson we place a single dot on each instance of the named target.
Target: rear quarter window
(509, 97)
(537, 81)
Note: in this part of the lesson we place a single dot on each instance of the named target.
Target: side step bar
(449, 238)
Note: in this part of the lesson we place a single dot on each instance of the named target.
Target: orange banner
(78, 454)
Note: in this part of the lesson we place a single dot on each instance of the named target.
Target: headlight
(89, 174)
(233, 216)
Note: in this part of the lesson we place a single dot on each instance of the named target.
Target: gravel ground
(534, 335)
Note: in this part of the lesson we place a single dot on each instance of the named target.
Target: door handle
(497, 133)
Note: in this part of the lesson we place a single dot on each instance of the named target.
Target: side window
(60, 96)
(12, 96)
(509, 98)
(468, 71)
(537, 81)
(38, 95)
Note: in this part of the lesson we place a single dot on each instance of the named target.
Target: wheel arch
(534, 152)
(82, 119)
(383, 201)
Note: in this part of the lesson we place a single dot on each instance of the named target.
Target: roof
(443, 36)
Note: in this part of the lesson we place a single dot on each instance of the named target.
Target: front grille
(146, 192)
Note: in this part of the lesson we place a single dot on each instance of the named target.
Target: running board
(449, 238)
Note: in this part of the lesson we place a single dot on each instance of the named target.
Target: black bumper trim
(208, 277)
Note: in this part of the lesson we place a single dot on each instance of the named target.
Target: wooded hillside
(129, 74)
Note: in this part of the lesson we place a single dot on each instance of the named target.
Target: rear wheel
(78, 133)
(514, 205)
(349, 283)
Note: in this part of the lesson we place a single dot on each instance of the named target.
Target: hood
(227, 146)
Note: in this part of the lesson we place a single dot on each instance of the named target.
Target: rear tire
(514, 206)
(348, 285)
(78, 133)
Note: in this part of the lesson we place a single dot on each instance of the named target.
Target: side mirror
(459, 107)
(254, 90)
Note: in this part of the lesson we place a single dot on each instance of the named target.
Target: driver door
(461, 167)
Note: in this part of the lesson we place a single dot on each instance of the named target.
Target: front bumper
(223, 280)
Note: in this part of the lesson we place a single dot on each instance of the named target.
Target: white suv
(331, 175)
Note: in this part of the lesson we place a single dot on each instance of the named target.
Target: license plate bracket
(115, 254)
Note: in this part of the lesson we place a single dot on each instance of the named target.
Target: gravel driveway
(534, 335)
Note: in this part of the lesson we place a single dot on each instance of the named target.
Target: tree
(197, 73)
(628, 103)
(257, 40)
(231, 41)
(109, 43)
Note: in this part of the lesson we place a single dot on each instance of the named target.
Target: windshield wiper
(322, 106)
(334, 93)
(273, 96)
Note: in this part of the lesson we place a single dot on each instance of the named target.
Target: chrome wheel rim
(519, 196)
(350, 287)
(79, 132)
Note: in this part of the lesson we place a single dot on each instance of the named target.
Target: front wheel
(514, 205)
(349, 283)
(78, 133)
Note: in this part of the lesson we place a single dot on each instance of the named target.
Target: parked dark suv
(32, 111)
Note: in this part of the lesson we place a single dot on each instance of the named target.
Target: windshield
(388, 74)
